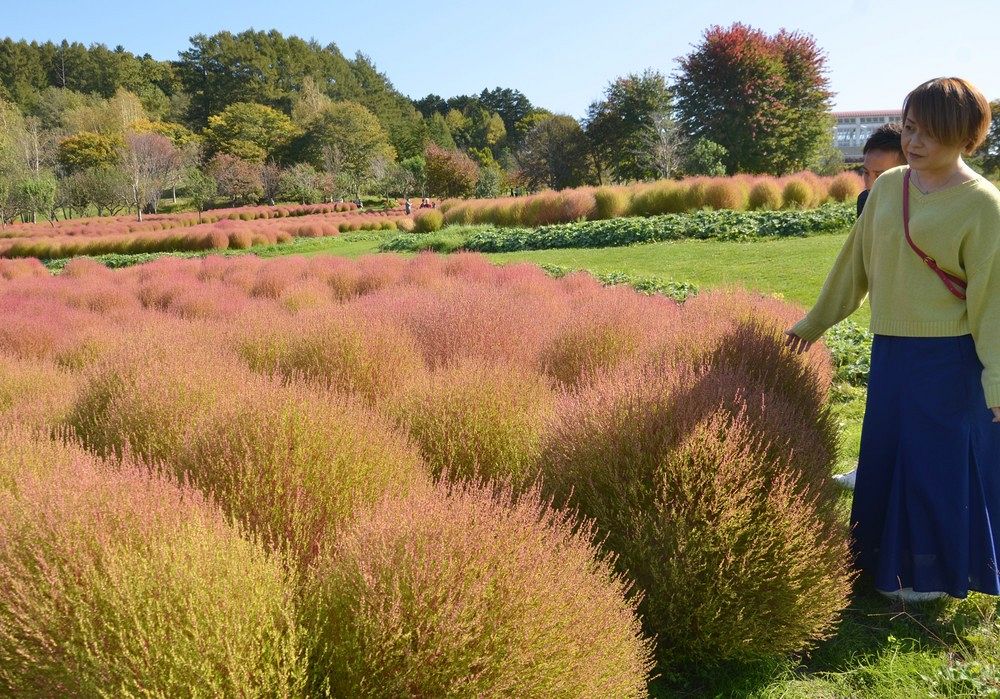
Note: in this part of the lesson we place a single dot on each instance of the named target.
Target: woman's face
(924, 152)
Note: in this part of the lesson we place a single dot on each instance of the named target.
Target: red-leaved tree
(450, 173)
(764, 98)
(239, 180)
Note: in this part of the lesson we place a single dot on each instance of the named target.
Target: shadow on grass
(881, 649)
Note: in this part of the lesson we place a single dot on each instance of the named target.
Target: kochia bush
(705, 502)
(797, 194)
(477, 419)
(289, 463)
(845, 186)
(470, 592)
(428, 221)
(118, 583)
(765, 195)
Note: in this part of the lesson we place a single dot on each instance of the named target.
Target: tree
(308, 103)
(73, 194)
(147, 161)
(237, 179)
(430, 105)
(400, 119)
(201, 189)
(450, 173)
(438, 131)
(345, 140)
(764, 99)
(34, 193)
(554, 154)
(107, 188)
(249, 131)
(88, 149)
(704, 157)
(990, 150)
(616, 124)
(113, 116)
(490, 183)
(300, 183)
(417, 169)
(511, 106)
(270, 181)
(661, 147)
(827, 160)
(12, 165)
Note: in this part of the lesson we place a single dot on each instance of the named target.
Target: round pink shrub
(466, 591)
(116, 580)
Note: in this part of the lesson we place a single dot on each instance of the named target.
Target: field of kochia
(386, 477)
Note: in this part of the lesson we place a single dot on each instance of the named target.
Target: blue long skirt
(926, 508)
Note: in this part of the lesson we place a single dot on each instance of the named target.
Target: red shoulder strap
(954, 284)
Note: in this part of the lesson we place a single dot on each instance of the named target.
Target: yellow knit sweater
(960, 228)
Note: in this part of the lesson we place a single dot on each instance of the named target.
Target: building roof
(871, 113)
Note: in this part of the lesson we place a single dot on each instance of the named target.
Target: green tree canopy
(555, 154)
(249, 131)
(990, 149)
(616, 125)
(345, 140)
(88, 149)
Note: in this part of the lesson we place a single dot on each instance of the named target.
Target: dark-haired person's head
(883, 151)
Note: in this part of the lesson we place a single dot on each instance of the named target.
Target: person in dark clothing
(883, 151)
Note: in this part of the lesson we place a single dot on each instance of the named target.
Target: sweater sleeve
(982, 300)
(846, 285)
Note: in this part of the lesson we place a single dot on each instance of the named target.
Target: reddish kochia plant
(428, 221)
(609, 326)
(467, 591)
(294, 465)
(634, 450)
(291, 464)
(353, 355)
(116, 582)
(846, 186)
(34, 393)
(160, 353)
(731, 573)
(766, 194)
(477, 419)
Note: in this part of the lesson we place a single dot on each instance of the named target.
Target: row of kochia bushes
(740, 193)
(120, 225)
(227, 234)
(312, 477)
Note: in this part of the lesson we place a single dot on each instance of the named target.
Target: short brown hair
(953, 111)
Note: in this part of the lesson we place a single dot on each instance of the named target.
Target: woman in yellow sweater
(926, 251)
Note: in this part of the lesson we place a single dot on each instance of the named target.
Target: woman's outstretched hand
(796, 343)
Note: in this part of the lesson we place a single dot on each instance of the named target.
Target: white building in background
(852, 129)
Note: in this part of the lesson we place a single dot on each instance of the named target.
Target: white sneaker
(907, 594)
(846, 480)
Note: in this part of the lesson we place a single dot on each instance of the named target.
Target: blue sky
(561, 53)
